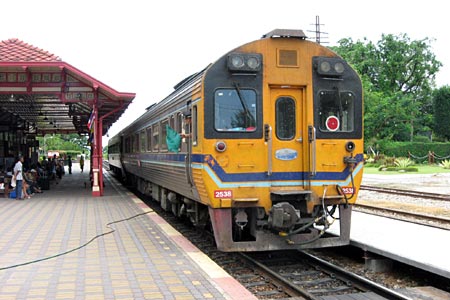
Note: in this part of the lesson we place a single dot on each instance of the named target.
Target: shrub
(445, 164)
(403, 162)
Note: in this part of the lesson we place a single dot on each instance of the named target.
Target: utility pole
(318, 32)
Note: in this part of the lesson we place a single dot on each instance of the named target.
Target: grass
(423, 169)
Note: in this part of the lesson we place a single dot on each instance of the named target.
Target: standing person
(187, 125)
(81, 163)
(19, 177)
(69, 163)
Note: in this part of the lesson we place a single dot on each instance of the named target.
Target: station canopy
(40, 93)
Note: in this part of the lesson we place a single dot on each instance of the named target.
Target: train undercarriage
(251, 228)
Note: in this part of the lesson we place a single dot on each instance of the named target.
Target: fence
(431, 157)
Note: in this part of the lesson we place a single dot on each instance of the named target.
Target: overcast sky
(146, 47)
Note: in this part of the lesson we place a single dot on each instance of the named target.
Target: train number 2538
(223, 194)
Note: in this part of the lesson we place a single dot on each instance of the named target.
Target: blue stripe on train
(179, 160)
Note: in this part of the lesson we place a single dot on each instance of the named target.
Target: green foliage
(403, 162)
(70, 144)
(441, 105)
(398, 76)
(445, 164)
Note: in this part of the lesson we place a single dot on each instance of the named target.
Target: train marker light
(350, 146)
(221, 146)
(332, 123)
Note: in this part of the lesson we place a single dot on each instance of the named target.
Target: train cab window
(164, 134)
(285, 118)
(235, 110)
(336, 111)
(155, 137)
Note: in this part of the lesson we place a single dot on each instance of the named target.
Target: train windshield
(235, 110)
(337, 112)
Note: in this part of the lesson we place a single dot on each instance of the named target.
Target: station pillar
(96, 154)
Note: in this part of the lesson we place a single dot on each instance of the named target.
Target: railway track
(281, 274)
(417, 194)
(412, 213)
(413, 217)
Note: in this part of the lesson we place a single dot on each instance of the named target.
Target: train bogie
(274, 148)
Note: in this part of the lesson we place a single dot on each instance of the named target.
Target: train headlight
(244, 62)
(325, 67)
(339, 67)
(237, 61)
(330, 66)
(253, 63)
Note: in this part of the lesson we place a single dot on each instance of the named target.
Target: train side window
(172, 121)
(149, 139)
(127, 145)
(179, 122)
(285, 118)
(235, 110)
(164, 134)
(155, 138)
(136, 142)
(142, 142)
(336, 111)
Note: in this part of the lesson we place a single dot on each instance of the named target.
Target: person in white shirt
(19, 177)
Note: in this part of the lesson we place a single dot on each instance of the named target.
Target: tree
(398, 76)
(441, 105)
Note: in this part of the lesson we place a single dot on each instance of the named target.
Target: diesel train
(264, 146)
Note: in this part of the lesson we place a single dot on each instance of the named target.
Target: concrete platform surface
(66, 244)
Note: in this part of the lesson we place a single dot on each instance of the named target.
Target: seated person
(31, 181)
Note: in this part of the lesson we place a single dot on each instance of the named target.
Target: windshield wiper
(248, 114)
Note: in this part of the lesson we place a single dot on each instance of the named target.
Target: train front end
(283, 145)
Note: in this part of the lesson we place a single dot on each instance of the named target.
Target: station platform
(417, 245)
(66, 244)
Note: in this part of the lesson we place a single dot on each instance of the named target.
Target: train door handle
(312, 141)
(268, 139)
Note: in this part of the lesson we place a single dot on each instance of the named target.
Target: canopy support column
(97, 188)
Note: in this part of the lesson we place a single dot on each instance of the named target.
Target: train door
(287, 136)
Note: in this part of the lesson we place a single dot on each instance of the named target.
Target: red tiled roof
(16, 50)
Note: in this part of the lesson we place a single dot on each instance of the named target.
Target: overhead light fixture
(11, 98)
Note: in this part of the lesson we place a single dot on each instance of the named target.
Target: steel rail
(368, 284)
(417, 194)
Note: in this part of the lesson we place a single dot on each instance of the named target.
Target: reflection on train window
(336, 111)
(235, 110)
(285, 118)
